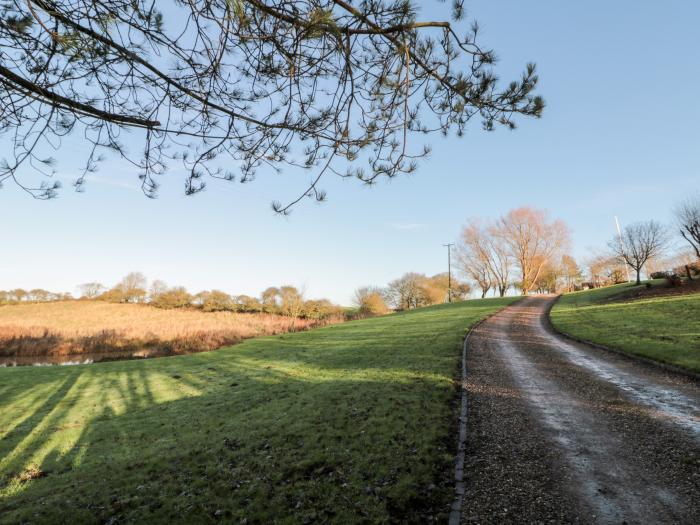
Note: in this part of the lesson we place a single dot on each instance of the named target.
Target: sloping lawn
(347, 423)
(665, 329)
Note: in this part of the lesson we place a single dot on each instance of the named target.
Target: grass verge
(665, 328)
(348, 423)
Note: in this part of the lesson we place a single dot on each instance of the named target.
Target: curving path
(563, 432)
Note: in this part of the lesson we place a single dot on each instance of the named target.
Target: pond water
(81, 359)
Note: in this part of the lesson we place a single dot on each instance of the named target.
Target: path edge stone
(460, 485)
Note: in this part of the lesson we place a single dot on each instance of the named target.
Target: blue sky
(619, 136)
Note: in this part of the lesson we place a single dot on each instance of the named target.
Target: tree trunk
(687, 272)
(639, 273)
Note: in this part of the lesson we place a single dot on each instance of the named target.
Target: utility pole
(449, 245)
(622, 247)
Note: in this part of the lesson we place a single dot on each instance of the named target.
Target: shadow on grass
(347, 423)
(243, 443)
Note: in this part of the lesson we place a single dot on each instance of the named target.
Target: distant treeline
(134, 288)
(37, 295)
(412, 290)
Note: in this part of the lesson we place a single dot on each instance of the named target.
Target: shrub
(218, 301)
(373, 304)
(174, 298)
(115, 295)
(674, 280)
(248, 304)
(320, 309)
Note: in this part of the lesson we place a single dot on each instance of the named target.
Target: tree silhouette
(230, 87)
(688, 217)
(638, 243)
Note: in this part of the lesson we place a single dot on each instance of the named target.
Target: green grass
(666, 329)
(347, 423)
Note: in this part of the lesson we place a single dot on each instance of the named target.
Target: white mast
(622, 246)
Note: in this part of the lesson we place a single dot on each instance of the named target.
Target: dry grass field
(78, 327)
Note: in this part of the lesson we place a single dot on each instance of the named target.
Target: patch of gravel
(551, 441)
(512, 471)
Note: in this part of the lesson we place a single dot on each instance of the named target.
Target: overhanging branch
(18, 83)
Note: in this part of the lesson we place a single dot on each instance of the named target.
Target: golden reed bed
(78, 327)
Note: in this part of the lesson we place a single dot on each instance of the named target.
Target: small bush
(321, 309)
(218, 301)
(373, 304)
(674, 280)
(174, 298)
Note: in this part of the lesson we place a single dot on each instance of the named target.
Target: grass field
(75, 327)
(348, 423)
(665, 329)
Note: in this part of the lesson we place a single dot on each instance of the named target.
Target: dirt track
(562, 432)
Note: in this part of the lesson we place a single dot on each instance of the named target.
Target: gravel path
(563, 432)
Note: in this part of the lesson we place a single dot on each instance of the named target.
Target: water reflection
(81, 359)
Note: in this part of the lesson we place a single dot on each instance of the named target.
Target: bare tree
(605, 269)
(406, 292)
(499, 260)
(482, 245)
(158, 288)
(133, 287)
(684, 261)
(324, 84)
(688, 217)
(19, 294)
(370, 301)
(39, 295)
(548, 280)
(270, 299)
(411, 290)
(91, 290)
(571, 272)
(474, 266)
(641, 241)
(461, 291)
(532, 240)
(436, 289)
(291, 302)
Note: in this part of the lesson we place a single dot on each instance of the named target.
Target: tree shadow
(170, 443)
(350, 427)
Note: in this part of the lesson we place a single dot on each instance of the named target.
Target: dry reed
(78, 327)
